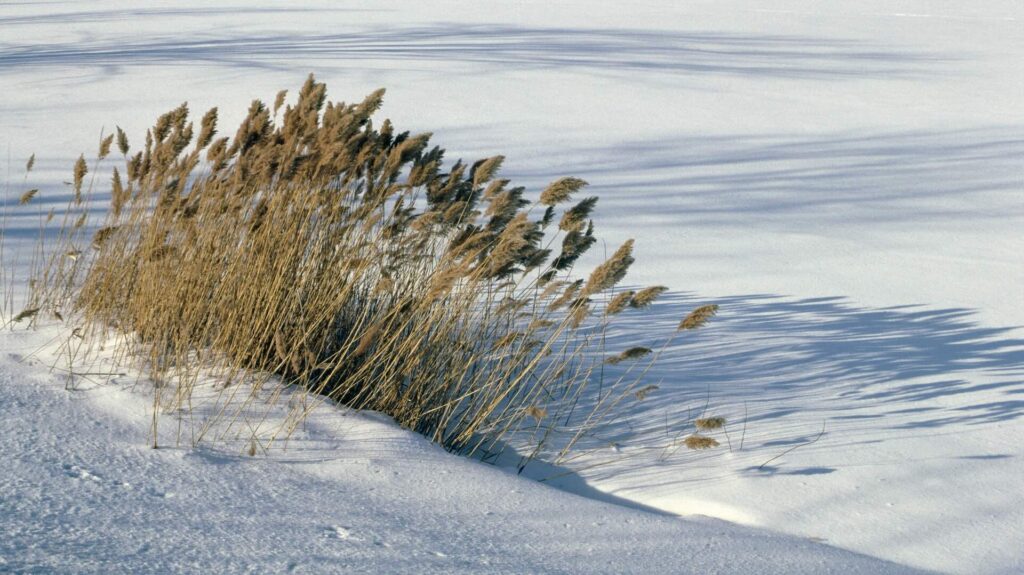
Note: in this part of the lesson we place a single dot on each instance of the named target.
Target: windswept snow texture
(845, 179)
(352, 493)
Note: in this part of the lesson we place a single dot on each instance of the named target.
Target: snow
(352, 493)
(844, 179)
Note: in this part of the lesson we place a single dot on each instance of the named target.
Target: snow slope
(81, 492)
(845, 179)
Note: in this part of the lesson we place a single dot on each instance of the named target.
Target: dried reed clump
(345, 256)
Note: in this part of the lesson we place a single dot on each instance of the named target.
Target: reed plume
(698, 317)
(349, 259)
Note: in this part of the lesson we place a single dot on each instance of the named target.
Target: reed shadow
(594, 50)
(768, 359)
(905, 367)
(786, 180)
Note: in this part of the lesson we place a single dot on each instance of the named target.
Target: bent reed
(345, 258)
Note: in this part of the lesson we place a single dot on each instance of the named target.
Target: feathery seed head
(279, 100)
(619, 302)
(631, 353)
(645, 297)
(561, 190)
(122, 141)
(484, 170)
(642, 393)
(698, 317)
(80, 170)
(208, 128)
(575, 218)
(611, 272)
(27, 196)
(105, 144)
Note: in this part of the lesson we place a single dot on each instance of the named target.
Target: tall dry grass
(346, 258)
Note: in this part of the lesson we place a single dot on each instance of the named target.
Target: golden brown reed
(345, 257)
(27, 196)
(645, 297)
(698, 317)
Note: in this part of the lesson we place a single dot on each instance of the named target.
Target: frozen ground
(845, 179)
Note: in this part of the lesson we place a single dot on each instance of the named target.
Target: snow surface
(845, 179)
(81, 492)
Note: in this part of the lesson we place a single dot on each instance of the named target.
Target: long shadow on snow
(592, 50)
(842, 179)
(775, 363)
(937, 367)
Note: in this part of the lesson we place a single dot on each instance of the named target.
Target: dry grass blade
(367, 340)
